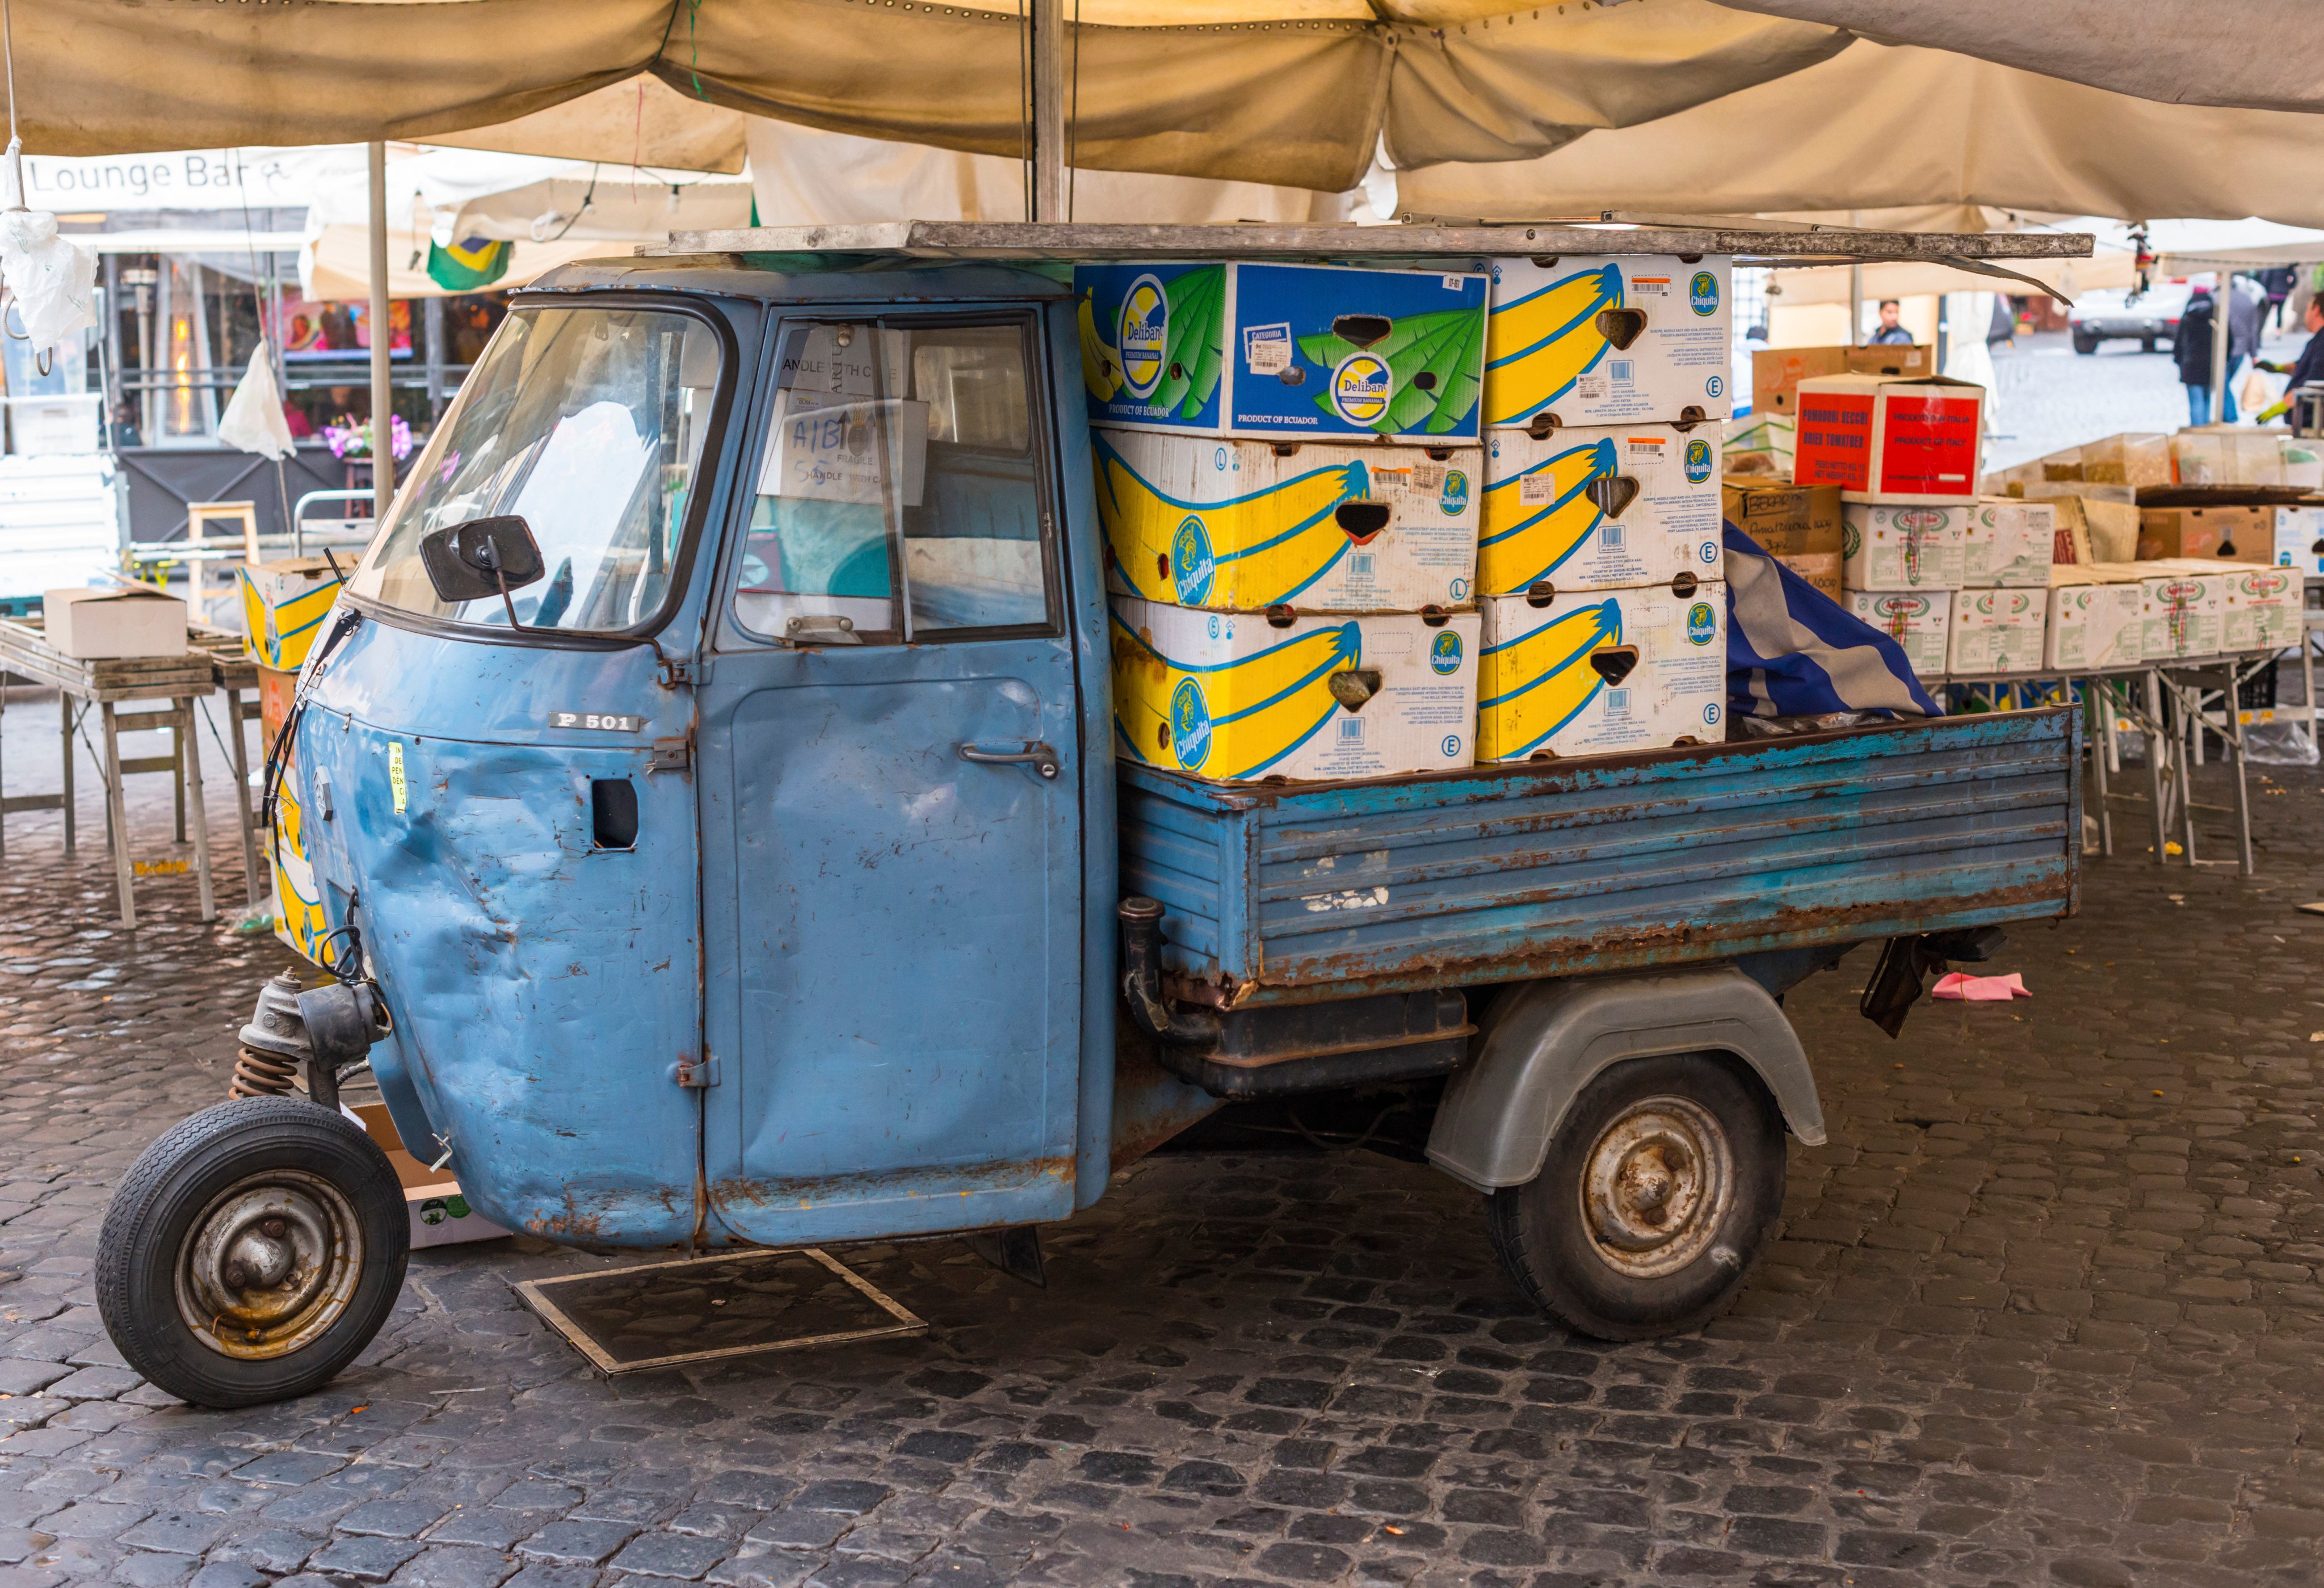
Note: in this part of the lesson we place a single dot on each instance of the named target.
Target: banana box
(1237, 696)
(2263, 609)
(1248, 525)
(1919, 621)
(1601, 671)
(1603, 341)
(1997, 631)
(1283, 351)
(283, 603)
(1903, 547)
(1599, 509)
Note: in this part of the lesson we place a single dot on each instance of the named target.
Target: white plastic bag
(252, 421)
(53, 281)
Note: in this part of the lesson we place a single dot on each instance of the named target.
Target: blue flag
(1793, 651)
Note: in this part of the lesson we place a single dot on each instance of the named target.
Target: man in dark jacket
(2194, 352)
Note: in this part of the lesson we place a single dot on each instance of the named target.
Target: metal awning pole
(2222, 312)
(1048, 22)
(383, 397)
(1855, 296)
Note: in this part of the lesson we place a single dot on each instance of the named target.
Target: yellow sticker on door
(395, 774)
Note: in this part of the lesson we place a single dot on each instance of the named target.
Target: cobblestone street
(2045, 1310)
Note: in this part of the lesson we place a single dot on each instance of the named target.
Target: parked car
(2151, 316)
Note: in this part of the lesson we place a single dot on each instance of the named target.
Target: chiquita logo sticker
(1454, 502)
(1144, 335)
(1191, 564)
(1702, 292)
(1444, 652)
(1698, 461)
(1361, 387)
(1701, 623)
(1190, 724)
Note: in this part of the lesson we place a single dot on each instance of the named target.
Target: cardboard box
(283, 606)
(1599, 509)
(1888, 438)
(1997, 631)
(2239, 454)
(1608, 340)
(2134, 458)
(1918, 621)
(1903, 547)
(1820, 569)
(2300, 539)
(1777, 372)
(2234, 534)
(2303, 462)
(2183, 609)
(439, 1214)
(1237, 696)
(1759, 443)
(2094, 626)
(2263, 609)
(2010, 544)
(1283, 351)
(1252, 524)
(1783, 520)
(1601, 671)
(113, 621)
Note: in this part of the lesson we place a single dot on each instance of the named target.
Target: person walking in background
(2194, 352)
(1892, 332)
(2277, 282)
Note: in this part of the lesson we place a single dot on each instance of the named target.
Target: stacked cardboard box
(1797, 525)
(1289, 475)
(1601, 571)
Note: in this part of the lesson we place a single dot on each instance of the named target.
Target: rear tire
(1658, 1192)
(2085, 343)
(251, 1253)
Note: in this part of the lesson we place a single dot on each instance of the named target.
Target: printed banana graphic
(1101, 363)
(1523, 543)
(1535, 346)
(1255, 550)
(1229, 721)
(297, 902)
(1530, 687)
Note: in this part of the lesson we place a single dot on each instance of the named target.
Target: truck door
(890, 776)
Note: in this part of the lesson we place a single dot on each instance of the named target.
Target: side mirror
(483, 557)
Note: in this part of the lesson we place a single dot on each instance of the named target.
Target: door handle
(1039, 757)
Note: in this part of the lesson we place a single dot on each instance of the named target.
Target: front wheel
(1658, 1190)
(251, 1253)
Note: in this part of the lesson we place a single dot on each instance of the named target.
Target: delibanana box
(1601, 341)
(1599, 509)
(1597, 672)
(1252, 524)
(282, 605)
(1283, 351)
(1237, 696)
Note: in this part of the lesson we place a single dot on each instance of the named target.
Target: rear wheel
(251, 1253)
(2084, 342)
(2146, 345)
(1658, 1190)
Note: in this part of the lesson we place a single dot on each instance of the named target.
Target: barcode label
(1609, 535)
(1617, 370)
(1360, 563)
(1617, 701)
(1350, 728)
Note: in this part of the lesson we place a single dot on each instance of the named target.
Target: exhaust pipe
(1141, 981)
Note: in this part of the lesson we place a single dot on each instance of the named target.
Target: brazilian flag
(468, 265)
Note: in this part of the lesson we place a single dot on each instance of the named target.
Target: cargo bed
(1303, 892)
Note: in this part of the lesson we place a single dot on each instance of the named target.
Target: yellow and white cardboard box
(2263, 609)
(1997, 631)
(2010, 543)
(2300, 539)
(283, 606)
(2094, 624)
(1599, 509)
(1909, 548)
(1601, 671)
(1608, 340)
(1919, 621)
(2184, 609)
(1247, 525)
(1236, 697)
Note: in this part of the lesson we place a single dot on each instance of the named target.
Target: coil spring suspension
(262, 1075)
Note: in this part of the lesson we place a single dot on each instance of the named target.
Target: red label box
(1887, 438)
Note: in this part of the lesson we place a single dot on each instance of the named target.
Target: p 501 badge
(596, 721)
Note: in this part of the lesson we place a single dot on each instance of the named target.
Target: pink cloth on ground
(1981, 989)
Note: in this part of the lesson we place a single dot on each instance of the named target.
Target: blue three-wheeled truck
(680, 893)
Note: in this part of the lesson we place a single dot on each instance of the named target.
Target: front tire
(1656, 1194)
(251, 1253)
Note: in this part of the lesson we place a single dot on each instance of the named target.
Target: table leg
(177, 777)
(2307, 675)
(116, 817)
(240, 756)
(65, 716)
(192, 786)
(2155, 746)
(2101, 745)
(2189, 706)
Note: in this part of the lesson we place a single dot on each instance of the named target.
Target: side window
(899, 496)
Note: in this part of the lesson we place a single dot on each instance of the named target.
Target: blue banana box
(1283, 351)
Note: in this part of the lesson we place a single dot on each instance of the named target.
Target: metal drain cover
(659, 1315)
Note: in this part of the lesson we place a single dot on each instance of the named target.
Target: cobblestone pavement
(2044, 1311)
(2047, 397)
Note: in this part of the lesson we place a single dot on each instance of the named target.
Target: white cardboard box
(1916, 548)
(1919, 621)
(2263, 609)
(1608, 340)
(1599, 671)
(2094, 626)
(2300, 539)
(1890, 437)
(1997, 631)
(2011, 543)
(2183, 608)
(1238, 696)
(94, 623)
(1599, 509)
(1247, 525)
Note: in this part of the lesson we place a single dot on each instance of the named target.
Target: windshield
(585, 422)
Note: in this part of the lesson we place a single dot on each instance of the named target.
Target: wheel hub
(270, 1265)
(1656, 1186)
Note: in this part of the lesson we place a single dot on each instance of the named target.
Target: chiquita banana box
(1283, 351)
(283, 603)
(1599, 671)
(1252, 524)
(1599, 509)
(1241, 695)
(1601, 341)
